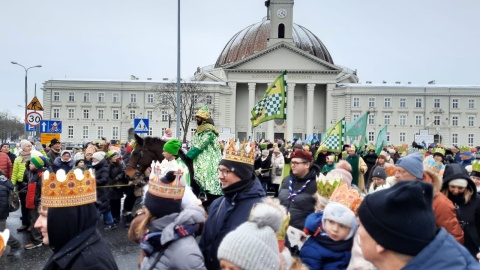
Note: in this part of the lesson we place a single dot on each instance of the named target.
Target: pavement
(124, 251)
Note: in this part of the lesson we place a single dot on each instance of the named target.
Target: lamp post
(179, 100)
(26, 81)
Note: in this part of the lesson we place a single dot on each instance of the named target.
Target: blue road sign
(51, 126)
(140, 125)
(29, 128)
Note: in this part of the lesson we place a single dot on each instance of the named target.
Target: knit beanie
(99, 155)
(400, 218)
(162, 206)
(341, 214)
(412, 164)
(254, 245)
(39, 161)
(172, 146)
(379, 172)
(242, 170)
(24, 143)
(78, 156)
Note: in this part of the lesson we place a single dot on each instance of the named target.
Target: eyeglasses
(224, 172)
(294, 163)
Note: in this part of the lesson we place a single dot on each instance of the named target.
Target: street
(124, 251)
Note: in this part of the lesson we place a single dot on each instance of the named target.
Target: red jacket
(6, 165)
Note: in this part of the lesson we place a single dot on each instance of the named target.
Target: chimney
(397, 82)
(431, 82)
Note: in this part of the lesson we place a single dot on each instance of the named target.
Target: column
(251, 104)
(233, 108)
(309, 118)
(329, 106)
(290, 111)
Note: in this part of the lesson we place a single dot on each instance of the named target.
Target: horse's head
(145, 151)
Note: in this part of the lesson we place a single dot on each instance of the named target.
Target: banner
(334, 139)
(273, 105)
(381, 140)
(358, 127)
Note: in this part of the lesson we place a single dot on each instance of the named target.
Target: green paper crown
(325, 189)
(476, 166)
(464, 148)
(439, 151)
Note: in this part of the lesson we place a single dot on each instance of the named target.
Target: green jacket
(18, 170)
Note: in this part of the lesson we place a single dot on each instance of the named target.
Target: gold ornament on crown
(326, 186)
(240, 152)
(156, 187)
(71, 189)
(347, 196)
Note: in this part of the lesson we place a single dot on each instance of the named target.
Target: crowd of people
(271, 205)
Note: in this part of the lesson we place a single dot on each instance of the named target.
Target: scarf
(238, 187)
(25, 156)
(206, 126)
(151, 242)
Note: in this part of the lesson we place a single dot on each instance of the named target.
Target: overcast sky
(407, 40)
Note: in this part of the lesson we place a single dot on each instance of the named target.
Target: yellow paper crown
(439, 151)
(71, 189)
(173, 190)
(326, 186)
(348, 197)
(464, 148)
(476, 166)
(240, 152)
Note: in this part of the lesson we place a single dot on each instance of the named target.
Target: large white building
(319, 93)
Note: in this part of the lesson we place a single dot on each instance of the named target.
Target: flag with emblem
(381, 140)
(358, 127)
(273, 105)
(334, 139)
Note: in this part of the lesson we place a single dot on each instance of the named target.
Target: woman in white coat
(278, 163)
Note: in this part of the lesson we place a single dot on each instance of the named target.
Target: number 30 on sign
(33, 118)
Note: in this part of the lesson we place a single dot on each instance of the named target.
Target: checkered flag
(273, 105)
(334, 139)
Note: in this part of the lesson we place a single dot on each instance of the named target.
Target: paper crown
(326, 186)
(464, 148)
(430, 163)
(476, 166)
(71, 189)
(240, 152)
(440, 151)
(330, 158)
(348, 197)
(161, 189)
(3, 241)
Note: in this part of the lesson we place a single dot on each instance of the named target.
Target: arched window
(281, 30)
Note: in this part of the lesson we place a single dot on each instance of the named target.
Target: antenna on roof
(431, 82)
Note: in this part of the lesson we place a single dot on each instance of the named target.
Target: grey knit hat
(413, 164)
(380, 173)
(254, 245)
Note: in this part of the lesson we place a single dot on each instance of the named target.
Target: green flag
(358, 127)
(381, 140)
(273, 105)
(334, 139)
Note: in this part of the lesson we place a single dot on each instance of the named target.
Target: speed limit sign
(33, 118)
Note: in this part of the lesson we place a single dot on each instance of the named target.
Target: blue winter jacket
(320, 251)
(225, 215)
(443, 253)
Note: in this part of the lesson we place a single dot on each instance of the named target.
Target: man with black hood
(241, 189)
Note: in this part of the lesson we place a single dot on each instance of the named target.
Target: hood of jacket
(455, 173)
(58, 162)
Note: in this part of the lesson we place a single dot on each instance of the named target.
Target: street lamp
(26, 80)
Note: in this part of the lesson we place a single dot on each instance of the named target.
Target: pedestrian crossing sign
(141, 125)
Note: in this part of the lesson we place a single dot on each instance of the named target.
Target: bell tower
(281, 20)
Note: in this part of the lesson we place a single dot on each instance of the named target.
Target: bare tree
(12, 127)
(193, 96)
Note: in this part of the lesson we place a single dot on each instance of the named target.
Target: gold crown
(71, 189)
(348, 197)
(240, 152)
(173, 190)
(439, 151)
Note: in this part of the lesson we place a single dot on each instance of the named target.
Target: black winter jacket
(6, 187)
(116, 176)
(101, 177)
(58, 164)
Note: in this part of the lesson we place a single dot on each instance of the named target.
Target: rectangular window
(470, 140)
(455, 121)
(115, 97)
(100, 113)
(208, 100)
(403, 102)
(85, 132)
(56, 113)
(436, 120)
(454, 138)
(418, 120)
(419, 103)
(192, 132)
(436, 103)
(71, 113)
(402, 137)
(56, 96)
(114, 133)
(71, 96)
(386, 119)
(115, 114)
(388, 136)
(100, 132)
(164, 116)
(132, 114)
(371, 136)
(150, 98)
(402, 119)
(101, 97)
(455, 103)
(371, 119)
(471, 103)
(355, 116)
(86, 97)
(150, 115)
(86, 113)
(471, 121)
(388, 102)
(163, 130)
(371, 102)
(133, 98)
(70, 132)
(164, 98)
(150, 131)
(194, 99)
(356, 102)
